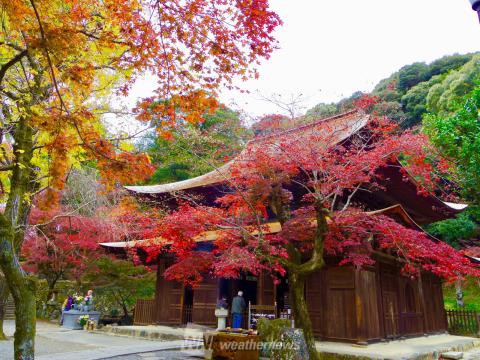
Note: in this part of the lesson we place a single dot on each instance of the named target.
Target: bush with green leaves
(118, 283)
(463, 227)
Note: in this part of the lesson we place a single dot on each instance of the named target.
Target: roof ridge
(303, 127)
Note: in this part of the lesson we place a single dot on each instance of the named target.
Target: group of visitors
(69, 303)
(238, 308)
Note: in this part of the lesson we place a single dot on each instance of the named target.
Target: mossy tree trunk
(13, 223)
(301, 315)
(3, 302)
(299, 268)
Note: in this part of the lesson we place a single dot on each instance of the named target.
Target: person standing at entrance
(238, 308)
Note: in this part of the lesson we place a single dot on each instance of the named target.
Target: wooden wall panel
(205, 298)
(266, 290)
(441, 315)
(435, 320)
(390, 300)
(366, 301)
(174, 302)
(168, 297)
(411, 312)
(316, 301)
(340, 310)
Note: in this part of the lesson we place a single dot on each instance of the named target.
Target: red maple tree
(61, 245)
(308, 178)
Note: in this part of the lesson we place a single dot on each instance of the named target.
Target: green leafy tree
(404, 93)
(457, 137)
(414, 102)
(121, 283)
(443, 98)
(452, 231)
(447, 63)
(411, 75)
(196, 149)
(322, 110)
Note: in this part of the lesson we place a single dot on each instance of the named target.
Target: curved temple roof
(342, 126)
(337, 128)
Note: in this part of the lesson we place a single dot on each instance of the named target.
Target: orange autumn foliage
(73, 53)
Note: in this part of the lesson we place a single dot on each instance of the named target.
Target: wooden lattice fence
(144, 312)
(463, 322)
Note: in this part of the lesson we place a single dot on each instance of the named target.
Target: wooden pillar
(360, 309)
(159, 291)
(381, 314)
(423, 307)
(266, 290)
(368, 320)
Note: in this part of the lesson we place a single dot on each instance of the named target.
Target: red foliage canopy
(62, 245)
(329, 162)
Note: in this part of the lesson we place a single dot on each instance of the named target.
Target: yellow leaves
(126, 146)
(83, 51)
(27, 197)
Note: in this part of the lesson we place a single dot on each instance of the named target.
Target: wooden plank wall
(435, 315)
(367, 306)
(168, 298)
(316, 301)
(205, 298)
(344, 304)
(340, 316)
(266, 290)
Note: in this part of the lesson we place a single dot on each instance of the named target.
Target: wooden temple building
(345, 304)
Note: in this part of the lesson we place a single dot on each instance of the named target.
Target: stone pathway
(425, 347)
(473, 354)
(56, 343)
(163, 355)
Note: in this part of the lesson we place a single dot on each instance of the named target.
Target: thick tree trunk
(51, 290)
(2, 334)
(298, 269)
(296, 285)
(3, 302)
(22, 288)
(459, 293)
(25, 320)
(13, 223)
(2, 316)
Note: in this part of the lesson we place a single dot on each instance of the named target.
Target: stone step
(452, 355)
(10, 310)
(153, 332)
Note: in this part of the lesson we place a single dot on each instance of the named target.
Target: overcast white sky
(331, 48)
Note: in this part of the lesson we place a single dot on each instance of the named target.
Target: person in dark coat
(238, 308)
(67, 305)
